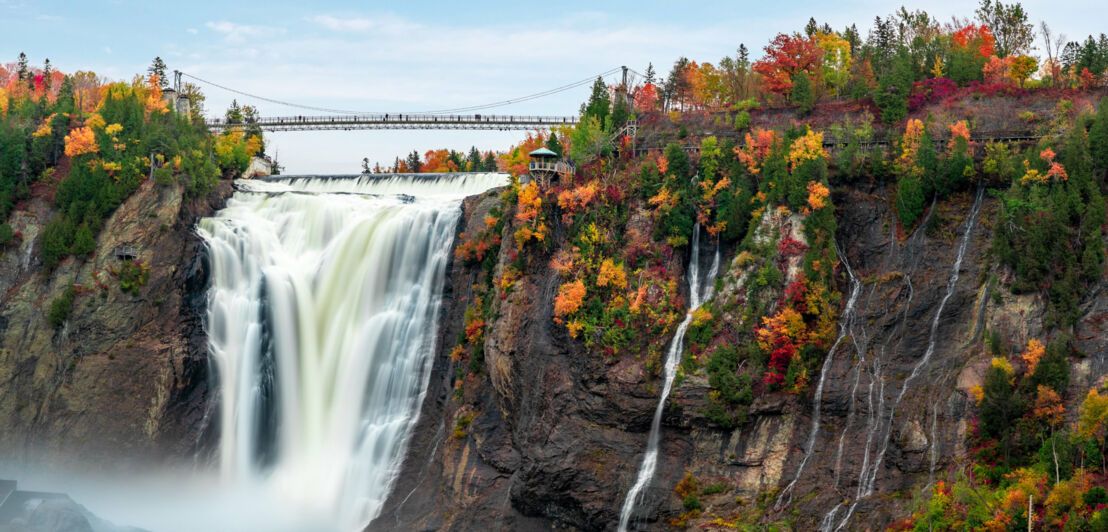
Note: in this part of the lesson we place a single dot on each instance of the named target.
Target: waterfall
(697, 294)
(867, 479)
(846, 326)
(322, 312)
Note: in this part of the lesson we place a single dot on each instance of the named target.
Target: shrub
(6, 234)
(61, 307)
(133, 276)
(742, 120)
(163, 176)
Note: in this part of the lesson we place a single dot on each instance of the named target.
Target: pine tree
(801, 95)
(811, 28)
(414, 164)
(553, 144)
(473, 161)
(599, 104)
(83, 243)
(157, 68)
(1098, 139)
(47, 70)
(23, 70)
(892, 89)
(650, 75)
(490, 162)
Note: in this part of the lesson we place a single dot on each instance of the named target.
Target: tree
(786, 56)
(81, 141)
(24, 71)
(599, 102)
(157, 71)
(892, 89)
(650, 75)
(1098, 138)
(1022, 67)
(414, 164)
(801, 95)
(587, 140)
(1009, 25)
(552, 144)
(83, 242)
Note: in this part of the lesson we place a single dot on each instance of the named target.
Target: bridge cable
(439, 111)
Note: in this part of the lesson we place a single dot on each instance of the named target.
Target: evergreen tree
(473, 161)
(553, 144)
(811, 27)
(650, 75)
(414, 164)
(801, 95)
(599, 104)
(893, 88)
(47, 70)
(83, 242)
(490, 162)
(1098, 139)
(157, 68)
(24, 72)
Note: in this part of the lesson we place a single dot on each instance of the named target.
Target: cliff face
(557, 433)
(125, 376)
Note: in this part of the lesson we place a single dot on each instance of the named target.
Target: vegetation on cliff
(89, 143)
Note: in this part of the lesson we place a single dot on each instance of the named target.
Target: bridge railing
(399, 118)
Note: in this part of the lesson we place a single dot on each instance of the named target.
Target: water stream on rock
(868, 476)
(846, 327)
(322, 311)
(697, 295)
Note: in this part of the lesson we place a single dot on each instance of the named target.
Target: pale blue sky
(412, 56)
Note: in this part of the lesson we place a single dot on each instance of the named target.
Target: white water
(321, 320)
(697, 294)
(846, 326)
(868, 477)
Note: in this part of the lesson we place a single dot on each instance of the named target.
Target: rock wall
(558, 433)
(125, 378)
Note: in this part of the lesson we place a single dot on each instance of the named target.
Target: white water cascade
(867, 479)
(697, 295)
(846, 326)
(322, 311)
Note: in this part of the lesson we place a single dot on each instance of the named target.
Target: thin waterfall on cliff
(322, 311)
(697, 294)
(867, 478)
(846, 322)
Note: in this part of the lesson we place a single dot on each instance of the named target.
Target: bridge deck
(401, 121)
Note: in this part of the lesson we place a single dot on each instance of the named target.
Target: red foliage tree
(786, 56)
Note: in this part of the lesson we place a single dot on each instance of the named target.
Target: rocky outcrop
(557, 434)
(125, 377)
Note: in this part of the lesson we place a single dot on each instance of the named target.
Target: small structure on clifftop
(547, 168)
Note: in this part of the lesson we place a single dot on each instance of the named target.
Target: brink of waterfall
(322, 311)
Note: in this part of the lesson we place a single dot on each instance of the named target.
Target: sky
(416, 56)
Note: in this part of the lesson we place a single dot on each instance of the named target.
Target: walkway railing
(398, 121)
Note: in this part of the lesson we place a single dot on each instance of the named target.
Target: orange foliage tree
(786, 56)
(81, 141)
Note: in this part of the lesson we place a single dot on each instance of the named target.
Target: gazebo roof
(543, 152)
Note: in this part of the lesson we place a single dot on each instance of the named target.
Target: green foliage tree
(1008, 23)
(892, 89)
(801, 95)
(61, 307)
(1098, 139)
(83, 242)
(599, 104)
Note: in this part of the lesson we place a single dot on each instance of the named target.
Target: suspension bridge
(471, 117)
(399, 121)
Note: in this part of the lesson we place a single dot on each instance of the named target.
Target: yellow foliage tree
(611, 274)
(81, 141)
(569, 298)
(1031, 356)
(806, 148)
